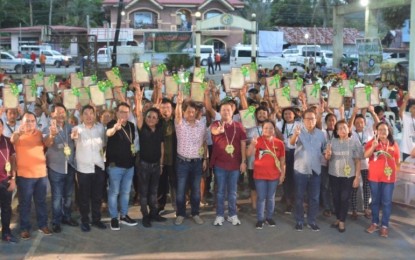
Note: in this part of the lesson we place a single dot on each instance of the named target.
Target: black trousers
(167, 182)
(341, 188)
(288, 184)
(149, 176)
(90, 187)
(210, 68)
(217, 64)
(5, 206)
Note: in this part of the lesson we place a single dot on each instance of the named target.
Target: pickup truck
(9, 62)
(55, 58)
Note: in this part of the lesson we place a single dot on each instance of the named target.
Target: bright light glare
(364, 2)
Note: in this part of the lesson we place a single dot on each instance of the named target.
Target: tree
(12, 13)
(262, 9)
(291, 13)
(395, 17)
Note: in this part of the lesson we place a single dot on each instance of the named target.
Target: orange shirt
(30, 156)
(378, 163)
(264, 164)
(42, 58)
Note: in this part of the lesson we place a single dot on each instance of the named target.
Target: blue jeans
(311, 184)
(381, 196)
(188, 173)
(120, 180)
(62, 186)
(265, 190)
(226, 181)
(36, 188)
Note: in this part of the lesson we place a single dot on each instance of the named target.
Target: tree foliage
(291, 13)
(176, 60)
(262, 10)
(395, 17)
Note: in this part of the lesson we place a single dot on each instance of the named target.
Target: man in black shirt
(151, 138)
(120, 165)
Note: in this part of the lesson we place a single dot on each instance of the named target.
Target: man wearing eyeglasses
(309, 143)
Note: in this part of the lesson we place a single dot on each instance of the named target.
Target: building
(142, 16)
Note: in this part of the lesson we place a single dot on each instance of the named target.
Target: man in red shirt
(228, 160)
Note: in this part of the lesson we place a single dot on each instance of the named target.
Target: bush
(176, 60)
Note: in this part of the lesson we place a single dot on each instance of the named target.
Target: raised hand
(179, 98)
(75, 133)
(254, 140)
(118, 125)
(375, 142)
(53, 130)
(221, 128)
(297, 130)
(22, 128)
(328, 150)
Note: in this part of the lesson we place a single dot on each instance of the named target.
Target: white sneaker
(219, 221)
(179, 221)
(234, 220)
(198, 220)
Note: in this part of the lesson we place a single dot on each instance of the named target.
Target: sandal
(368, 214)
(354, 215)
(341, 227)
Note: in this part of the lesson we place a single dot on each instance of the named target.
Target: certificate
(70, 101)
(247, 118)
(197, 93)
(199, 75)
(156, 74)
(335, 99)
(361, 99)
(116, 81)
(170, 85)
(87, 81)
(227, 82)
(237, 79)
(108, 94)
(97, 96)
(313, 94)
(294, 92)
(348, 88)
(49, 84)
(272, 85)
(76, 81)
(119, 94)
(282, 100)
(39, 79)
(411, 89)
(9, 99)
(252, 76)
(27, 82)
(84, 96)
(140, 74)
(29, 97)
(374, 96)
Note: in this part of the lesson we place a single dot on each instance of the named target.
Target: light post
(306, 36)
(198, 17)
(253, 37)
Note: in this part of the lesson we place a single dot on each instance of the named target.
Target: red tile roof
(318, 35)
(164, 2)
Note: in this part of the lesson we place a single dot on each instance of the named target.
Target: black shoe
(85, 227)
(99, 224)
(313, 227)
(146, 222)
(288, 210)
(259, 225)
(299, 227)
(114, 224)
(70, 222)
(127, 221)
(56, 228)
(158, 218)
(270, 222)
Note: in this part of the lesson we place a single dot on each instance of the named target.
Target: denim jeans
(311, 184)
(120, 180)
(149, 176)
(188, 173)
(36, 188)
(265, 198)
(62, 186)
(91, 186)
(341, 188)
(5, 207)
(226, 181)
(381, 196)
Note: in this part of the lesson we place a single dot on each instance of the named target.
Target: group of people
(168, 144)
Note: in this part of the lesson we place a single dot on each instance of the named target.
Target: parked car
(56, 58)
(9, 62)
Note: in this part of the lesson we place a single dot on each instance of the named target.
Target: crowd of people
(172, 145)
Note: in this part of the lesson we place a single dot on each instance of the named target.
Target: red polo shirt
(264, 164)
(220, 158)
(5, 146)
(377, 167)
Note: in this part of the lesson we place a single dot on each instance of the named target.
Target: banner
(167, 42)
(370, 55)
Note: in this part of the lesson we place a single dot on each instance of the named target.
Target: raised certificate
(171, 85)
(374, 96)
(411, 89)
(349, 86)
(87, 81)
(197, 92)
(361, 99)
(49, 84)
(272, 84)
(227, 82)
(156, 74)
(199, 74)
(84, 96)
(295, 87)
(10, 100)
(313, 94)
(140, 73)
(30, 96)
(76, 80)
(116, 80)
(237, 79)
(39, 79)
(335, 99)
(251, 76)
(70, 101)
(247, 118)
(282, 100)
(97, 96)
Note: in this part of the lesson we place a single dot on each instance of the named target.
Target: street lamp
(306, 36)
(198, 16)
(254, 34)
(122, 13)
(364, 3)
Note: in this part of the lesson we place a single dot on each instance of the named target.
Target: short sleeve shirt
(190, 138)
(6, 151)
(266, 154)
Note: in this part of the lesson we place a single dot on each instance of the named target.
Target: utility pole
(117, 33)
(50, 12)
(31, 12)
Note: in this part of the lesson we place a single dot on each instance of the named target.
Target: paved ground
(191, 241)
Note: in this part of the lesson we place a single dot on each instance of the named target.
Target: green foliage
(262, 9)
(291, 13)
(12, 13)
(395, 17)
(176, 60)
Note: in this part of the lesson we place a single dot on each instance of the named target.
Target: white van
(53, 58)
(241, 54)
(24, 49)
(204, 53)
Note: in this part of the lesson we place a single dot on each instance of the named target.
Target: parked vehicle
(126, 55)
(205, 50)
(9, 62)
(241, 54)
(55, 58)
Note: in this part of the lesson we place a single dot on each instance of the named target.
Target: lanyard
(10, 128)
(6, 158)
(290, 131)
(129, 135)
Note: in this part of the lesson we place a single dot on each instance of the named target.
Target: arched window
(184, 20)
(144, 19)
